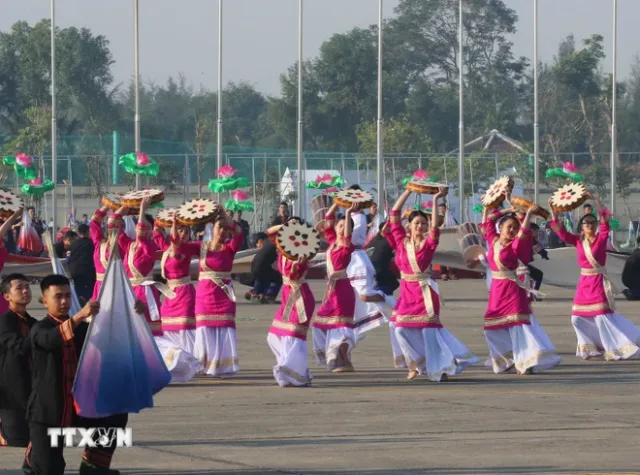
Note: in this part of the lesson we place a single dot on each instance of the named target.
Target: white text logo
(92, 438)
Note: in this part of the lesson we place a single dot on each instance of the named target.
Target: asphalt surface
(579, 418)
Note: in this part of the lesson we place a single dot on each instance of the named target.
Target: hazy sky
(260, 35)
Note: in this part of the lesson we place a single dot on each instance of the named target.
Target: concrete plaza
(579, 418)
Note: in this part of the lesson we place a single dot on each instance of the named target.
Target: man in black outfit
(56, 345)
(15, 364)
(81, 266)
(631, 274)
(63, 247)
(381, 259)
(243, 224)
(264, 280)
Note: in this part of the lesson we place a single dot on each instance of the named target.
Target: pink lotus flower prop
(226, 171)
(240, 195)
(142, 159)
(569, 167)
(568, 170)
(37, 181)
(419, 175)
(24, 160)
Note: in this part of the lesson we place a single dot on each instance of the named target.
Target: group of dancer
(195, 327)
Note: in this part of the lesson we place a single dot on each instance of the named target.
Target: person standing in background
(245, 228)
(81, 264)
(282, 216)
(448, 221)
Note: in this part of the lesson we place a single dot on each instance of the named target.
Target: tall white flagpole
(137, 83)
(301, 190)
(536, 124)
(380, 156)
(219, 129)
(614, 127)
(54, 123)
(461, 126)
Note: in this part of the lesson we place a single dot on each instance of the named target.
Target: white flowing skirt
(327, 343)
(291, 367)
(367, 315)
(216, 350)
(522, 346)
(398, 357)
(181, 364)
(434, 352)
(610, 335)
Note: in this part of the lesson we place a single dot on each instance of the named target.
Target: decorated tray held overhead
(498, 192)
(133, 199)
(297, 240)
(426, 187)
(165, 217)
(196, 212)
(9, 204)
(523, 205)
(345, 198)
(112, 201)
(569, 197)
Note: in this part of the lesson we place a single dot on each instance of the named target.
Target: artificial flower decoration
(37, 188)
(227, 181)
(419, 175)
(139, 164)
(239, 202)
(614, 224)
(425, 207)
(568, 170)
(326, 182)
(477, 209)
(23, 166)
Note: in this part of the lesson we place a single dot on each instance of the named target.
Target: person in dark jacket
(244, 226)
(382, 257)
(15, 361)
(265, 280)
(81, 266)
(62, 248)
(631, 274)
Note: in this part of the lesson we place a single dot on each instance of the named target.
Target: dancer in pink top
(215, 345)
(513, 335)
(178, 308)
(333, 326)
(600, 330)
(288, 332)
(428, 348)
(101, 250)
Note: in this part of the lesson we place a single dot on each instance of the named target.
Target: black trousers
(84, 289)
(43, 459)
(536, 275)
(14, 428)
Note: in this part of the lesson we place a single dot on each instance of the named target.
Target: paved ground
(579, 418)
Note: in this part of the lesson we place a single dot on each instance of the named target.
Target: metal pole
(461, 126)
(380, 156)
(536, 125)
(219, 130)
(300, 204)
(614, 131)
(54, 124)
(137, 83)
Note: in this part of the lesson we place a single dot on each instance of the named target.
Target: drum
(569, 197)
(112, 201)
(471, 241)
(345, 198)
(133, 199)
(523, 205)
(9, 204)
(297, 240)
(426, 187)
(196, 212)
(498, 192)
(320, 204)
(165, 217)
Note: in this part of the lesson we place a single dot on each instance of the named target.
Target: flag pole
(380, 157)
(301, 191)
(54, 123)
(219, 128)
(536, 124)
(461, 126)
(136, 54)
(614, 127)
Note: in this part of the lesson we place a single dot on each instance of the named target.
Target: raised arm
(560, 230)
(396, 234)
(348, 225)
(8, 224)
(330, 223)
(401, 201)
(95, 226)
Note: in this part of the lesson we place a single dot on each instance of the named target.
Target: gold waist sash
(423, 280)
(295, 298)
(609, 288)
(217, 278)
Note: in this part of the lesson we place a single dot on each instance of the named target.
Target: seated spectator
(631, 274)
(264, 279)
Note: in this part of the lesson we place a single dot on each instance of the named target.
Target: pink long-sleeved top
(101, 250)
(509, 303)
(4, 254)
(418, 305)
(214, 306)
(590, 299)
(338, 308)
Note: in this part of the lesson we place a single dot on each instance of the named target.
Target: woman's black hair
(343, 217)
(355, 187)
(300, 220)
(149, 219)
(415, 213)
(584, 218)
(506, 218)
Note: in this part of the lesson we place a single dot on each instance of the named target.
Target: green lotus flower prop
(37, 187)
(226, 180)
(568, 170)
(239, 202)
(23, 166)
(419, 175)
(325, 182)
(139, 164)
(477, 209)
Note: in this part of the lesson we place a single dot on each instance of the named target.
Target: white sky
(260, 36)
